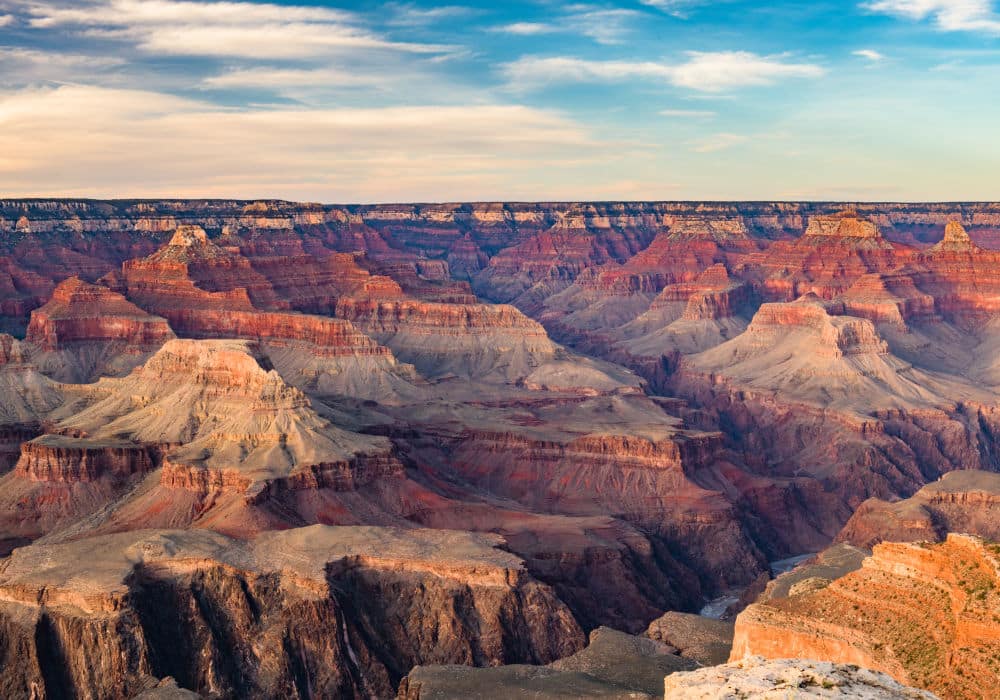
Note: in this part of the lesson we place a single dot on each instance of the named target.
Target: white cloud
(676, 8)
(948, 15)
(410, 15)
(718, 142)
(19, 66)
(870, 54)
(603, 25)
(77, 140)
(6, 20)
(706, 72)
(160, 12)
(221, 28)
(687, 113)
(277, 78)
(713, 72)
(526, 28)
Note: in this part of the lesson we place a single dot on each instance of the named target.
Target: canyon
(496, 443)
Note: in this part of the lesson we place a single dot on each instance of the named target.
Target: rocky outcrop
(26, 398)
(925, 614)
(823, 392)
(759, 679)
(85, 331)
(834, 252)
(58, 459)
(468, 340)
(960, 501)
(232, 432)
(616, 453)
(614, 665)
(704, 640)
(960, 276)
(331, 612)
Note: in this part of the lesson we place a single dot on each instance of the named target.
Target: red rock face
(921, 613)
(20, 292)
(85, 331)
(55, 460)
(960, 276)
(81, 312)
(832, 254)
(962, 501)
(326, 337)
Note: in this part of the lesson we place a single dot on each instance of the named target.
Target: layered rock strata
(331, 612)
(926, 614)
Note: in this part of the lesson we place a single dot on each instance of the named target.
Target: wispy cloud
(20, 66)
(687, 113)
(601, 24)
(948, 15)
(870, 54)
(6, 20)
(276, 78)
(221, 28)
(677, 8)
(605, 26)
(706, 72)
(526, 28)
(103, 141)
(411, 15)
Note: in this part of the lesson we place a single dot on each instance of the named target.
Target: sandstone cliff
(316, 612)
(925, 614)
(960, 501)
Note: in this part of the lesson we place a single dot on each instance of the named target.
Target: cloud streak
(948, 15)
(702, 71)
(221, 28)
(111, 142)
(871, 54)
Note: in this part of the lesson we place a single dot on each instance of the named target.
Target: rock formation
(925, 614)
(26, 398)
(331, 612)
(614, 665)
(960, 501)
(706, 641)
(758, 679)
(86, 331)
(467, 340)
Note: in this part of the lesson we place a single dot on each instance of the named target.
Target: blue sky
(422, 101)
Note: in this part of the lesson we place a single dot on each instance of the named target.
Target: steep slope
(86, 331)
(330, 612)
(616, 453)
(26, 398)
(960, 501)
(833, 252)
(324, 355)
(684, 318)
(835, 415)
(465, 340)
(925, 614)
(606, 297)
(225, 434)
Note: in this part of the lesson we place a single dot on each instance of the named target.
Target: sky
(418, 101)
